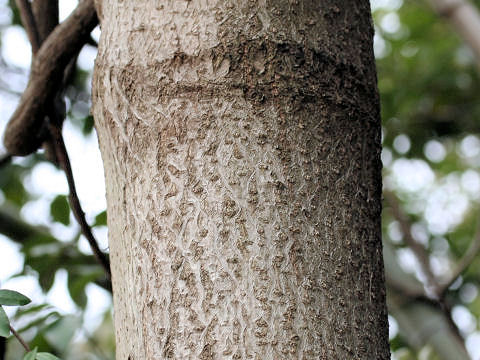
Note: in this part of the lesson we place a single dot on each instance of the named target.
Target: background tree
(428, 81)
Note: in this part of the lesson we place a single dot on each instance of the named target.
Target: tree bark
(241, 143)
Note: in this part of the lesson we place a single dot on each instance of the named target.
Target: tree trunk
(241, 143)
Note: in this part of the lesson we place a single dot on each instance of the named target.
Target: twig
(20, 339)
(23, 130)
(417, 248)
(439, 287)
(92, 42)
(62, 157)
(28, 21)
(470, 255)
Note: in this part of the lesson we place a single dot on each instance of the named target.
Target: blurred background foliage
(429, 84)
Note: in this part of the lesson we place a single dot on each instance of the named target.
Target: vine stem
(64, 161)
(20, 339)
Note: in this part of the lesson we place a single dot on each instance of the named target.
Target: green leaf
(45, 256)
(88, 125)
(4, 323)
(12, 186)
(12, 298)
(31, 355)
(46, 356)
(101, 219)
(60, 210)
(32, 310)
(40, 342)
(46, 270)
(40, 321)
(77, 283)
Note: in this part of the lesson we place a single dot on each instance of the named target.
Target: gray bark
(241, 143)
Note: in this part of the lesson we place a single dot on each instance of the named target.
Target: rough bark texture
(241, 142)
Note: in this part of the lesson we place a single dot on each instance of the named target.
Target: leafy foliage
(46, 356)
(4, 323)
(11, 297)
(11, 183)
(31, 355)
(101, 219)
(429, 84)
(60, 210)
(34, 355)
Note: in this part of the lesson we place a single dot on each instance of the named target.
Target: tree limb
(28, 21)
(53, 107)
(438, 286)
(423, 322)
(470, 255)
(417, 248)
(46, 17)
(409, 304)
(62, 157)
(23, 134)
(16, 229)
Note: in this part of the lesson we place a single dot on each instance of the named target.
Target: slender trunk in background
(241, 143)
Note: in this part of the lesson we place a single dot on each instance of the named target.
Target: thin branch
(62, 157)
(411, 293)
(470, 255)
(17, 230)
(40, 101)
(404, 291)
(20, 339)
(420, 252)
(422, 320)
(92, 42)
(28, 21)
(23, 133)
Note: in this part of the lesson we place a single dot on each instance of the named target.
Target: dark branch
(417, 248)
(46, 17)
(41, 101)
(16, 229)
(23, 133)
(62, 157)
(469, 256)
(20, 232)
(92, 42)
(28, 21)
(20, 339)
